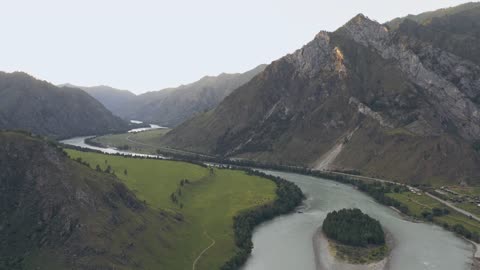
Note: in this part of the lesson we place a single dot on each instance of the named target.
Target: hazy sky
(145, 45)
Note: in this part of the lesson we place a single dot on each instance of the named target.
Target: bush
(437, 212)
(427, 215)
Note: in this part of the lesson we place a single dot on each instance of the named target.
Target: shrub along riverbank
(289, 196)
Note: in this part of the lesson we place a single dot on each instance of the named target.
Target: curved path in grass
(203, 251)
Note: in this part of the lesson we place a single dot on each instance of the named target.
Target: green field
(141, 142)
(207, 204)
(471, 191)
(470, 207)
(467, 198)
(419, 203)
(146, 142)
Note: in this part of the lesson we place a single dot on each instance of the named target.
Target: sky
(147, 45)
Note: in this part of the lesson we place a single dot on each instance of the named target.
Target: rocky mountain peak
(321, 55)
(318, 55)
(359, 18)
(364, 30)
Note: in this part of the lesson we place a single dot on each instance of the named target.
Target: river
(285, 243)
(80, 142)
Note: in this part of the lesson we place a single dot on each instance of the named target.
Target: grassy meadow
(206, 204)
(420, 203)
(145, 142)
(141, 142)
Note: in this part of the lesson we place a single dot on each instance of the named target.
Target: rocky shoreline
(325, 260)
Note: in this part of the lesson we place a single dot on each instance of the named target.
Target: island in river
(350, 239)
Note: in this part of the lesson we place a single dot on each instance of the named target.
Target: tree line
(289, 196)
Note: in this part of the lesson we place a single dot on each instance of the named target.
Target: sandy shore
(324, 260)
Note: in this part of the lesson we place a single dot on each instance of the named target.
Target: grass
(145, 142)
(468, 195)
(419, 203)
(470, 207)
(359, 255)
(416, 203)
(471, 191)
(141, 142)
(210, 201)
(151, 136)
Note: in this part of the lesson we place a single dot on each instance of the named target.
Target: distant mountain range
(399, 100)
(172, 106)
(113, 99)
(40, 107)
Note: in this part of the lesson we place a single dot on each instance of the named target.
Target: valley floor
(204, 199)
(418, 203)
(145, 142)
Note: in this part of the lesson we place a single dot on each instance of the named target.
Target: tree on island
(354, 228)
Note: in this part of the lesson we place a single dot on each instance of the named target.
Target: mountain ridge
(113, 99)
(320, 105)
(57, 213)
(171, 106)
(34, 105)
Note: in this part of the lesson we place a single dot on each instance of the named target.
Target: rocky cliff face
(42, 108)
(383, 102)
(56, 213)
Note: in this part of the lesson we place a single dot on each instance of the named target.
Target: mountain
(401, 103)
(427, 17)
(170, 107)
(113, 99)
(56, 213)
(40, 107)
